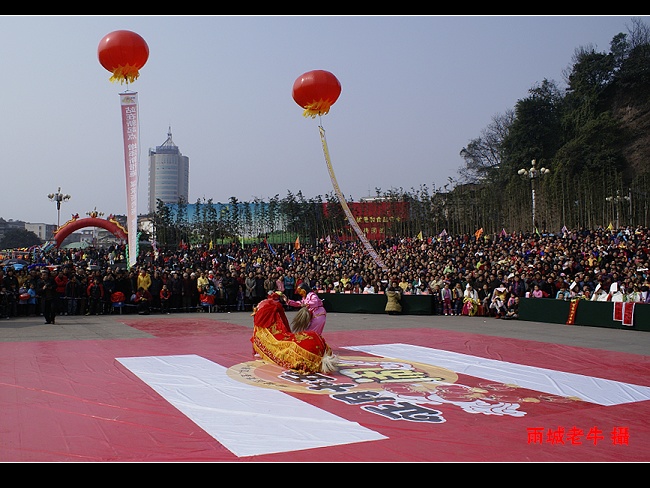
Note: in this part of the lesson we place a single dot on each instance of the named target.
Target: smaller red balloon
(123, 53)
(316, 91)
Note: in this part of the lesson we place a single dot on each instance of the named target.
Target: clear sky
(415, 91)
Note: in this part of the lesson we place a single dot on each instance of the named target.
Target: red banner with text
(374, 218)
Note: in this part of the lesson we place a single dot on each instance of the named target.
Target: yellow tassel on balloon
(320, 107)
(128, 73)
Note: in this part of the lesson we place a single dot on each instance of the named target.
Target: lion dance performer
(305, 351)
(312, 314)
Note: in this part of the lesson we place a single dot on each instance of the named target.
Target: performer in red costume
(273, 340)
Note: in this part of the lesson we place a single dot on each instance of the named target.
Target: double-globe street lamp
(617, 200)
(533, 174)
(58, 197)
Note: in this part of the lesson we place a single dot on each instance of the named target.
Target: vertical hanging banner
(346, 209)
(129, 105)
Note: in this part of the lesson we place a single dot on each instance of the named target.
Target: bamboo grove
(592, 135)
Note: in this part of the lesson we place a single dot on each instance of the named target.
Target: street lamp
(58, 197)
(532, 174)
(616, 201)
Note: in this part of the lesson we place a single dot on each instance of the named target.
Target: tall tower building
(169, 174)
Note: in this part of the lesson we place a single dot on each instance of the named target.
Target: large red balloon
(123, 53)
(316, 91)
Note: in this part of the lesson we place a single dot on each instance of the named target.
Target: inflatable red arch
(111, 225)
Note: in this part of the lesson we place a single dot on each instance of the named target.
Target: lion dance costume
(273, 340)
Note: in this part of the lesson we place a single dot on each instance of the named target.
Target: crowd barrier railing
(582, 312)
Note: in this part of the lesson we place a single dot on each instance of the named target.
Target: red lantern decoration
(123, 53)
(316, 91)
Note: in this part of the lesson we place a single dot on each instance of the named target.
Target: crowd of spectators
(576, 263)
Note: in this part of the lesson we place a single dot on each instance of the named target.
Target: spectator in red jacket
(143, 301)
(165, 297)
(61, 280)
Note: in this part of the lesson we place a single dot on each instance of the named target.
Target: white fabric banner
(247, 420)
(129, 106)
(587, 388)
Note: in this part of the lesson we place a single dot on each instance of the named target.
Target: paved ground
(112, 327)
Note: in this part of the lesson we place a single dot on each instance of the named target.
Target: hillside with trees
(592, 137)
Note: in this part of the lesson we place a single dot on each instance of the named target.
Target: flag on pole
(564, 230)
(610, 226)
(420, 235)
(478, 233)
(297, 244)
(211, 245)
(503, 232)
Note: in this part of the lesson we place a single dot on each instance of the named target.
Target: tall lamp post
(533, 174)
(617, 200)
(58, 197)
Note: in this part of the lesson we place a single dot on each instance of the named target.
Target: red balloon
(123, 53)
(316, 91)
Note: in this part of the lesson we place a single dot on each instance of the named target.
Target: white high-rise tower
(169, 174)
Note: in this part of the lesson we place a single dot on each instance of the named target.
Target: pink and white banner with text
(129, 105)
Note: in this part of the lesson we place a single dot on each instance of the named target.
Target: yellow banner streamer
(346, 209)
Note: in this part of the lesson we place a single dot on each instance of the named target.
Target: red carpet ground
(195, 392)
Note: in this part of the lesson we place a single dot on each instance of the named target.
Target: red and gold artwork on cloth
(273, 340)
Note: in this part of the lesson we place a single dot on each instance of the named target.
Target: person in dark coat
(72, 293)
(175, 285)
(194, 293)
(49, 295)
(548, 288)
(11, 285)
(154, 289)
(231, 285)
(95, 294)
(189, 286)
(260, 291)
